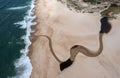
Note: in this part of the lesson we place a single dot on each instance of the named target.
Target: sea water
(16, 19)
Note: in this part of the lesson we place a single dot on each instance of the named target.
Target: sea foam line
(23, 64)
(17, 8)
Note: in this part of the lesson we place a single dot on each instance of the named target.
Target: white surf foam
(27, 20)
(17, 8)
(23, 64)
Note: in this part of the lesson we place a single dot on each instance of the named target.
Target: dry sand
(67, 28)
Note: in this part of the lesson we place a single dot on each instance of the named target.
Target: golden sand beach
(66, 28)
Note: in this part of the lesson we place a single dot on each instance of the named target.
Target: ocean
(16, 19)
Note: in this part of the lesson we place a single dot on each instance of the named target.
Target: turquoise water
(11, 35)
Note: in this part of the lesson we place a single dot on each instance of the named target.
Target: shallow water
(105, 25)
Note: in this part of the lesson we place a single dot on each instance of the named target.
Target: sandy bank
(67, 28)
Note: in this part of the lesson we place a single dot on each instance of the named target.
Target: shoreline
(34, 37)
(24, 60)
(33, 28)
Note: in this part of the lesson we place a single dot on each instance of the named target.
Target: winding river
(75, 49)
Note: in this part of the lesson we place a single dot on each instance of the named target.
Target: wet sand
(67, 28)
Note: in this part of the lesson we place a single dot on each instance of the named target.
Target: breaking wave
(23, 65)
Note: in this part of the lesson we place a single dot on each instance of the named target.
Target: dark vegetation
(114, 8)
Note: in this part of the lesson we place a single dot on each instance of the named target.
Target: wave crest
(17, 8)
